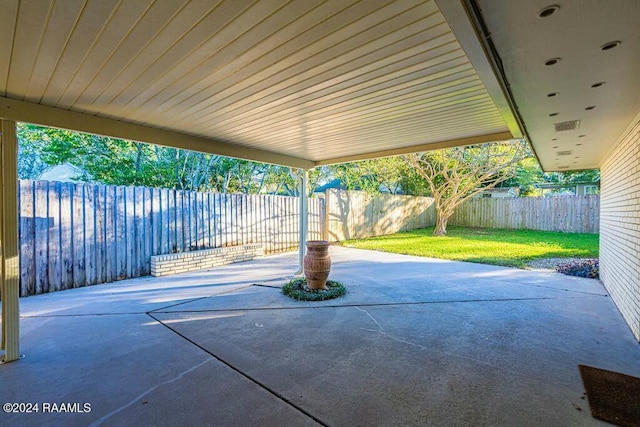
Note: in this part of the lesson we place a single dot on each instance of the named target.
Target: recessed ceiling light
(553, 114)
(590, 107)
(548, 11)
(598, 84)
(610, 45)
(552, 61)
(552, 94)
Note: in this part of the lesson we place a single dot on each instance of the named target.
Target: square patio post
(303, 178)
(9, 261)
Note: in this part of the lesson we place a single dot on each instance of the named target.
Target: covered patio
(415, 341)
(305, 84)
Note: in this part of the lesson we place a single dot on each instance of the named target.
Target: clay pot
(317, 264)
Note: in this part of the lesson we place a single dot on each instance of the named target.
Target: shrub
(298, 290)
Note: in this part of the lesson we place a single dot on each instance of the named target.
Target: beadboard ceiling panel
(292, 82)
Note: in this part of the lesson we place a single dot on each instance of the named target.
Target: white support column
(303, 219)
(9, 268)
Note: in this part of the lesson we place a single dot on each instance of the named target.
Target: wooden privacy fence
(74, 235)
(357, 215)
(572, 214)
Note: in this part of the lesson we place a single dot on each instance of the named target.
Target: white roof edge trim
(461, 25)
(478, 139)
(21, 111)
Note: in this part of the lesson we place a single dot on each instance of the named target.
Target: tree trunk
(441, 225)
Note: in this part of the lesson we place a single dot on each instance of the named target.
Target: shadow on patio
(414, 342)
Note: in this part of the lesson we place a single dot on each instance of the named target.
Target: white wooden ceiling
(294, 82)
(304, 83)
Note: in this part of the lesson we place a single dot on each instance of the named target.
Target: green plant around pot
(298, 290)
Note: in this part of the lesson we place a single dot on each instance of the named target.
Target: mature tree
(357, 176)
(456, 174)
(119, 162)
(573, 177)
(527, 173)
(390, 175)
(31, 141)
(385, 174)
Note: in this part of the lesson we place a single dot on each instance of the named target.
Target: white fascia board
(477, 139)
(21, 111)
(463, 28)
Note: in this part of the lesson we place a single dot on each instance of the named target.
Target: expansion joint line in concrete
(374, 304)
(38, 316)
(566, 290)
(196, 299)
(177, 304)
(240, 372)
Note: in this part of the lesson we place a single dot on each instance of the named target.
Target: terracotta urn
(317, 264)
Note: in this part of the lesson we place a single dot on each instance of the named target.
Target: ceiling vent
(570, 125)
(564, 153)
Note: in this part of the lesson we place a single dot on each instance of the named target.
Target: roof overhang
(305, 83)
(94, 124)
(296, 83)
(575, 109)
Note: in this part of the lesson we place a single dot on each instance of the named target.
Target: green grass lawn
(513, 248)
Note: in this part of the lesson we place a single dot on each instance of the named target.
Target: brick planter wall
(162, 265)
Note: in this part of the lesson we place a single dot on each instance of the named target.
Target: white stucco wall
(620, 225)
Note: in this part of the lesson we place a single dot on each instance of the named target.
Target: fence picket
(41, 219)
(55, 263)
(100, 233)
(110, 245)
(26, 224)
(89, 238)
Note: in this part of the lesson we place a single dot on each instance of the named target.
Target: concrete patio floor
(414, 342)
